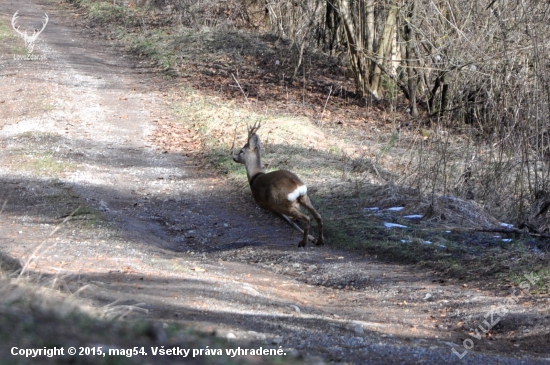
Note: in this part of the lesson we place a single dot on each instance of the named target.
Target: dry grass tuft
(452, 211)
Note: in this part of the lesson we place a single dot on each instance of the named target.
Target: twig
(234, 137)
(240, 88)
(513, 231)
(325, 107)
(516, 231)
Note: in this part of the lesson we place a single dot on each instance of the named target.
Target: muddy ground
(163, 232)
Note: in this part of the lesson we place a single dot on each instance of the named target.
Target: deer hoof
(320, 242)
(302, 244)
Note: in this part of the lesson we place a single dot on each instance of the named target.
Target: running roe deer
(280, 192)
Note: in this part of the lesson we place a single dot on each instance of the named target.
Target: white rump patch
(300, 191)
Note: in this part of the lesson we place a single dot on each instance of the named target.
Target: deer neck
(254, 167)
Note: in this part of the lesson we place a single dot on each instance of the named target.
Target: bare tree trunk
(384, 49)
(369, 16)
(332, 23)
(409, 64)
(358, 66)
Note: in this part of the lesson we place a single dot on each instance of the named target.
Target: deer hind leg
(306, 203)
(295, 213)
(294, 225)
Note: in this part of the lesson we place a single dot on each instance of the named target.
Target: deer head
(281, 192)
(29, 39)
(249, 155)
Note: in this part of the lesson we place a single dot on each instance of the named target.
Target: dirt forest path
(159, 232)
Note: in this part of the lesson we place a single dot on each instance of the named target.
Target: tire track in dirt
(156, 230)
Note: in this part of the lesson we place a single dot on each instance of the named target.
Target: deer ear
(254, 142)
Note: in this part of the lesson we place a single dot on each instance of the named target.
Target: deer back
(277, 190)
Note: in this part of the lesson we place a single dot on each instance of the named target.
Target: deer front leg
(321, 239)
(306, 203)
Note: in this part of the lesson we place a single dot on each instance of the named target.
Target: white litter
(395, 209)
(413, 216)
(394, 225)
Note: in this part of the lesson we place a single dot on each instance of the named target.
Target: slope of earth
(88, 201)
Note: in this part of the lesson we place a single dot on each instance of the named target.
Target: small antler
(234, 138)
(254, 129)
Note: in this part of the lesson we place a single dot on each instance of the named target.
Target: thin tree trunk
(409, 64)
(370, 27)
(384, 49)
(354, 47)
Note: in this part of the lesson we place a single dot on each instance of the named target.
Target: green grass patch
(11, 40)
(46, 164)
(103, 12)
(534, 281)
(88, 217)
(463, 254)
(36, 155)
(6, 32)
